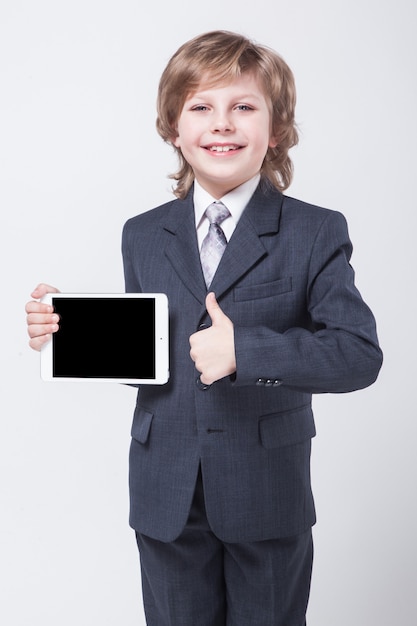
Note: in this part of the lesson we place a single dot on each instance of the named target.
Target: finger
(38, 342)
(206, 380)
(41, 289)
(213, 308)
(40, 330)
(38, 307)
(194, 347)
(42, 318)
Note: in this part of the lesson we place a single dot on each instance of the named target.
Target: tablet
(108, 338)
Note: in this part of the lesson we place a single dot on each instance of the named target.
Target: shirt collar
(236, 200)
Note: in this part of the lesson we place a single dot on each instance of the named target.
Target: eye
(244, 107)
(200, 107)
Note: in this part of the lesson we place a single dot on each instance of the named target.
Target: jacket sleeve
(339, 352)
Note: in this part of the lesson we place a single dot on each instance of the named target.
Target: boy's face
(224, 133)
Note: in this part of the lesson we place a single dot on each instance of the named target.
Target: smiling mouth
(226, 148)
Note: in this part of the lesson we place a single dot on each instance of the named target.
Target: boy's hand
(213, 349)
(41, 319)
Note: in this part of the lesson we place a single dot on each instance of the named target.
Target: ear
(174, 138)
(275, 137)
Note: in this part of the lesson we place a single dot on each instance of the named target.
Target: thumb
(213, 309)
(42, 289)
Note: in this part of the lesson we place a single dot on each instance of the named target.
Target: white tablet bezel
(161, 340)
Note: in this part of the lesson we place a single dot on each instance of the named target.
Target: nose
(222, 122)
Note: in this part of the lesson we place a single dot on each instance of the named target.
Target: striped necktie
(214, 242)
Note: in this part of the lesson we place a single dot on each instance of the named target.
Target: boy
(219, 464)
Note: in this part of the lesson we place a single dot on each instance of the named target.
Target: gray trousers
(198, 580)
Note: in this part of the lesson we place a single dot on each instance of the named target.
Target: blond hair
(224, 56)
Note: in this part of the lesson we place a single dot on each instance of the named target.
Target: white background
(79, 154)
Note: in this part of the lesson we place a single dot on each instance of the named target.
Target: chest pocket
(264, 290)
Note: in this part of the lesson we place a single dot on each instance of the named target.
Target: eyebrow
(203, 95)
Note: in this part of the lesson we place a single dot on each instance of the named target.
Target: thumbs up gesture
(213, 349)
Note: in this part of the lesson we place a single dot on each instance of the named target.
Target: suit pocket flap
(141, 426)
(286, 429)
(265, 290)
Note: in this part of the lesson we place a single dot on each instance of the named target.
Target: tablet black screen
(104, 338)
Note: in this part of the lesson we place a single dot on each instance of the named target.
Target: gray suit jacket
(301, 327)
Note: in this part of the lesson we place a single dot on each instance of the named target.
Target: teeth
(222, 148)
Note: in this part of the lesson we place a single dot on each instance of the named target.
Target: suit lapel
(243, 251)
(182, 249)
(245, 247)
